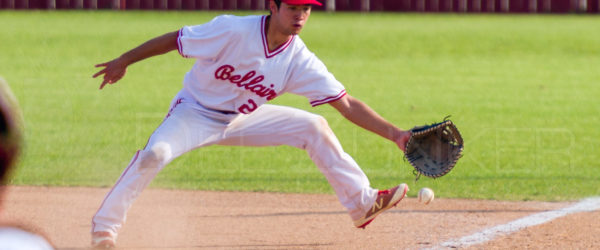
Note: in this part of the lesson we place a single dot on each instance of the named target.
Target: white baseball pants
(189, 125)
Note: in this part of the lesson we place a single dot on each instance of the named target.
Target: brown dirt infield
(177, 219)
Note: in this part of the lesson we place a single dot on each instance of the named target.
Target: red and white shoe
(103, 240)
(386, 199)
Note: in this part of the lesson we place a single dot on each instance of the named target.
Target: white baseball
(426, 195)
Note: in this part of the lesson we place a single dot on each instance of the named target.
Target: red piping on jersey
(179, 46)
(279, 49)
(329, 99)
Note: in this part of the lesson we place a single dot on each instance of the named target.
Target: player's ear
(273, 7)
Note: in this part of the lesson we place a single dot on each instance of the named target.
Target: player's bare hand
(402, 140)
(113, 71)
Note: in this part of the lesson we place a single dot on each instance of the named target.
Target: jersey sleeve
(310, 78)
(207, 40)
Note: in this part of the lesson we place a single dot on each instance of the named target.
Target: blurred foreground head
(10, 130)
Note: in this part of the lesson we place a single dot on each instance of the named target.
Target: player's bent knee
(318, 126)
(319, 123)
(156, 156)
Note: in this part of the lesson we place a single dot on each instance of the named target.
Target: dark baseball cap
(302, 2)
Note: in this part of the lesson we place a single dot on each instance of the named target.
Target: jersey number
(248, 108)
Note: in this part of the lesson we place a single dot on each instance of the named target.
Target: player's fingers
(99, 73)
(103, 83)
(101, 64)
(110, 77)
(111, 80)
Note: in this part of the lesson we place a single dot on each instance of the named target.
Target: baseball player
(242, 63)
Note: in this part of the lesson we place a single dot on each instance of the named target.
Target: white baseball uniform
(222, 103)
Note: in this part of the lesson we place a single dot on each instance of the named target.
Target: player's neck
(275, 37)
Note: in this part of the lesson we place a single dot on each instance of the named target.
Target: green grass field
(523, 89)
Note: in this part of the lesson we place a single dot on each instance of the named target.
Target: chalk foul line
(585, 205)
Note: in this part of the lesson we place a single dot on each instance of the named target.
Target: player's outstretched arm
(114, 70)
(362, 115)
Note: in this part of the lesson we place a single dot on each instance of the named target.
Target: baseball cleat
(103, 240)
(386, 199)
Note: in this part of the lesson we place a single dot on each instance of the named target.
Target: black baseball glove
(434, 149)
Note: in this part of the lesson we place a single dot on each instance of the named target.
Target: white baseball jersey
(236, 71)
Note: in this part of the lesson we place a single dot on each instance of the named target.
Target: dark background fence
(476, 6)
